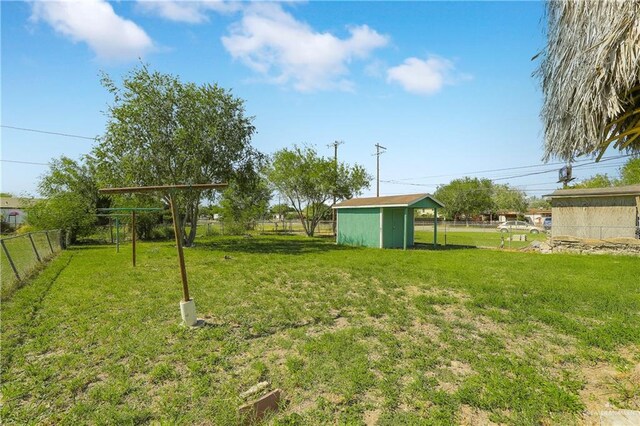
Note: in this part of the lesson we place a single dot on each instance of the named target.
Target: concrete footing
(188, 312)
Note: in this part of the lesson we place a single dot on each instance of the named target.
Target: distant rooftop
(16, 203)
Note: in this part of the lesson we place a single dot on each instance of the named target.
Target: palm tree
(590, 73)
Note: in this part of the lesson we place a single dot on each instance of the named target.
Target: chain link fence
(596, 232)
(23, 254)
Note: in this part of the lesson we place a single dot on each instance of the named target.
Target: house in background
(596, 213)
(382, 222)
(14, 210)
(537, 216)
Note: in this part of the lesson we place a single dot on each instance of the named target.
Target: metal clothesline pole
(187, 305)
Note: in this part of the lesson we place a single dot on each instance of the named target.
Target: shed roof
(389, 201)
(596, 192)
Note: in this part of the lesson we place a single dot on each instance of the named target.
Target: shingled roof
(596, 192)
(389, 201)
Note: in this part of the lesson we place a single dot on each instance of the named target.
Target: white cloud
(286, 51)
(192, 12)
(95, 23)
(424, 77)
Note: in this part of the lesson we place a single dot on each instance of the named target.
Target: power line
(518, 168)
(555, 170)
(47, 132)
(25, 162)
(590, 167)
(584, 166)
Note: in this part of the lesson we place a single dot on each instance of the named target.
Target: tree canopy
(506, 198)
(466, 197)
(596, 181)
(590, 74)
(243, 202)
(161, 131)
(310, 182)
(71, 199)
(630, 172)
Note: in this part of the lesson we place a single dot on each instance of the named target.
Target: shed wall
(595, 217)
(359, 227)
(393, 227)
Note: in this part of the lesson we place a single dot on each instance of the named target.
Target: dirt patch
(371, 417)
(597, 390)
(340, 323)
(471, 416)
(460, 368)
(304, 405)
(422, 328)
(546, 342)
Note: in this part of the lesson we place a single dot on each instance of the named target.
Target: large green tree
(310, 182)
(596, 181)
(243, 202)
(506, 198)
(162, 131)
(466, 197)
(538, 203)
(630, 172)
(70, 199)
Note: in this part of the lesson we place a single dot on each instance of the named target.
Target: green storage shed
(382, 222)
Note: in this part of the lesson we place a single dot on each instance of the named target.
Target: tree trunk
(194, 225)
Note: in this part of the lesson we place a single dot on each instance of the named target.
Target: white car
(517, 225)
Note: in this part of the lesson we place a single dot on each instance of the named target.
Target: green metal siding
(425, 204)
(410, 221)
(392, 227)
(359, 227)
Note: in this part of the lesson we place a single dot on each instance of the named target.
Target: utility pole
(377, 154)
(335, 145)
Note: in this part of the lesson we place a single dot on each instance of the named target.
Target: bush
(6, 227)
(25, 229)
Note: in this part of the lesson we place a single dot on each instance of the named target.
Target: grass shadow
(440, 247)
(274, 245)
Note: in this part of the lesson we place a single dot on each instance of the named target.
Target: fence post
(49, 241)
(33, 245)
(445, 234)
(13, 266)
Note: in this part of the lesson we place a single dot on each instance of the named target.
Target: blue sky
(447, 87)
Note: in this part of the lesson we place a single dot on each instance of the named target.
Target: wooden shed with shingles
(382, 222)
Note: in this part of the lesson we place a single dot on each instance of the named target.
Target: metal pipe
(133, 236)
(178, 237)
(162, 188)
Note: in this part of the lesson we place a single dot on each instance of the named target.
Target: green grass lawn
(351, 335)
(487, 239)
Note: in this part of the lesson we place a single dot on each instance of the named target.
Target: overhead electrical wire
(583, 166)
(47, 132)
(25, 162)
(586, 161)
